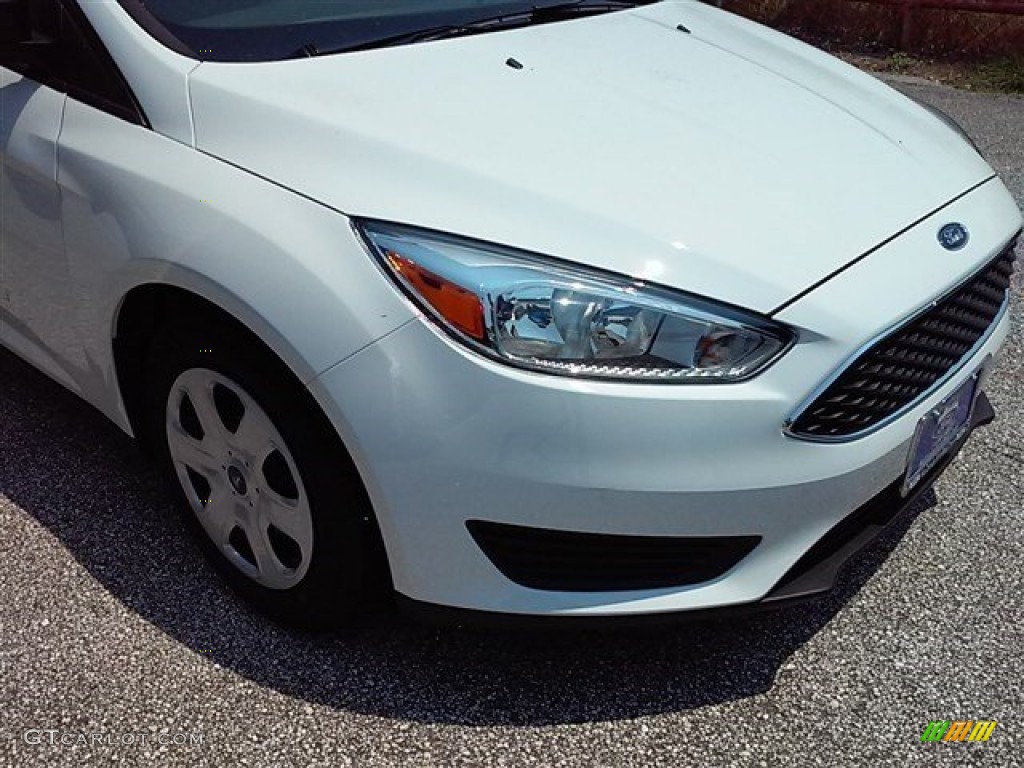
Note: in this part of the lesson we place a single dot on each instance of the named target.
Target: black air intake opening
(566, 561)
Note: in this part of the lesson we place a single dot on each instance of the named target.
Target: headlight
(548, 316)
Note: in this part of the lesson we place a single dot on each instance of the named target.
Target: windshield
(261, 30)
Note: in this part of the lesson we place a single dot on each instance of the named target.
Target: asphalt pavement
(119, 646)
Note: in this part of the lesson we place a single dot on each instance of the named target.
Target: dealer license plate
(938, 431)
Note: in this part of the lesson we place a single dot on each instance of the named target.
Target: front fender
(142, 209)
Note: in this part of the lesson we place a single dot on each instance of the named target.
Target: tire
(267, 487)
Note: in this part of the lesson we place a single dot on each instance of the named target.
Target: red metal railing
(908, 7)
(938, 25)
(979, 6)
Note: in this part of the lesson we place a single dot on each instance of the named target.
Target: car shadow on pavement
(89, 486)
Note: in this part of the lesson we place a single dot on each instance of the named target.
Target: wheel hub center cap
(237, 480)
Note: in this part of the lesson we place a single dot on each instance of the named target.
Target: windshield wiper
(538, 14)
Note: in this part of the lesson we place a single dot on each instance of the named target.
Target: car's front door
(31, 243)
(45, 281)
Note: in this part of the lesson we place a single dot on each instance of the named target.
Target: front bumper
(814, 575)
(442, 438)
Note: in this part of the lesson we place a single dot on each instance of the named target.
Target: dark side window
(78, 63)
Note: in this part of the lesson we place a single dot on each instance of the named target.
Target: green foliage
(1005, 74)
(901, 62)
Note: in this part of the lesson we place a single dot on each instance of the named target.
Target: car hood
(726, 160)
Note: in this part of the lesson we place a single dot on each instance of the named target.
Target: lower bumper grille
(565, 561)
(895, 372)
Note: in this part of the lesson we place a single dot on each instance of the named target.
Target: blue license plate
(938, 431)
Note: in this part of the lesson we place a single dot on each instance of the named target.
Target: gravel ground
(112, 624)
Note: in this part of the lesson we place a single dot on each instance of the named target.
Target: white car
(543, 309)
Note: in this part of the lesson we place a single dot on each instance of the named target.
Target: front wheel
(267, 487)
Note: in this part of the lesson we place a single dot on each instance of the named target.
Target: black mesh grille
(586, 562)
(897, 370)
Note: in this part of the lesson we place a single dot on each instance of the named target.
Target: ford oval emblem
(954, 237)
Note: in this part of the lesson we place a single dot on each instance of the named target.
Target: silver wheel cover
(240, 478)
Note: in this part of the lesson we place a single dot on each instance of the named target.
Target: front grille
(567, 561)
(899, 369)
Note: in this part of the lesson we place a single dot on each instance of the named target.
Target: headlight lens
(543, 315)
